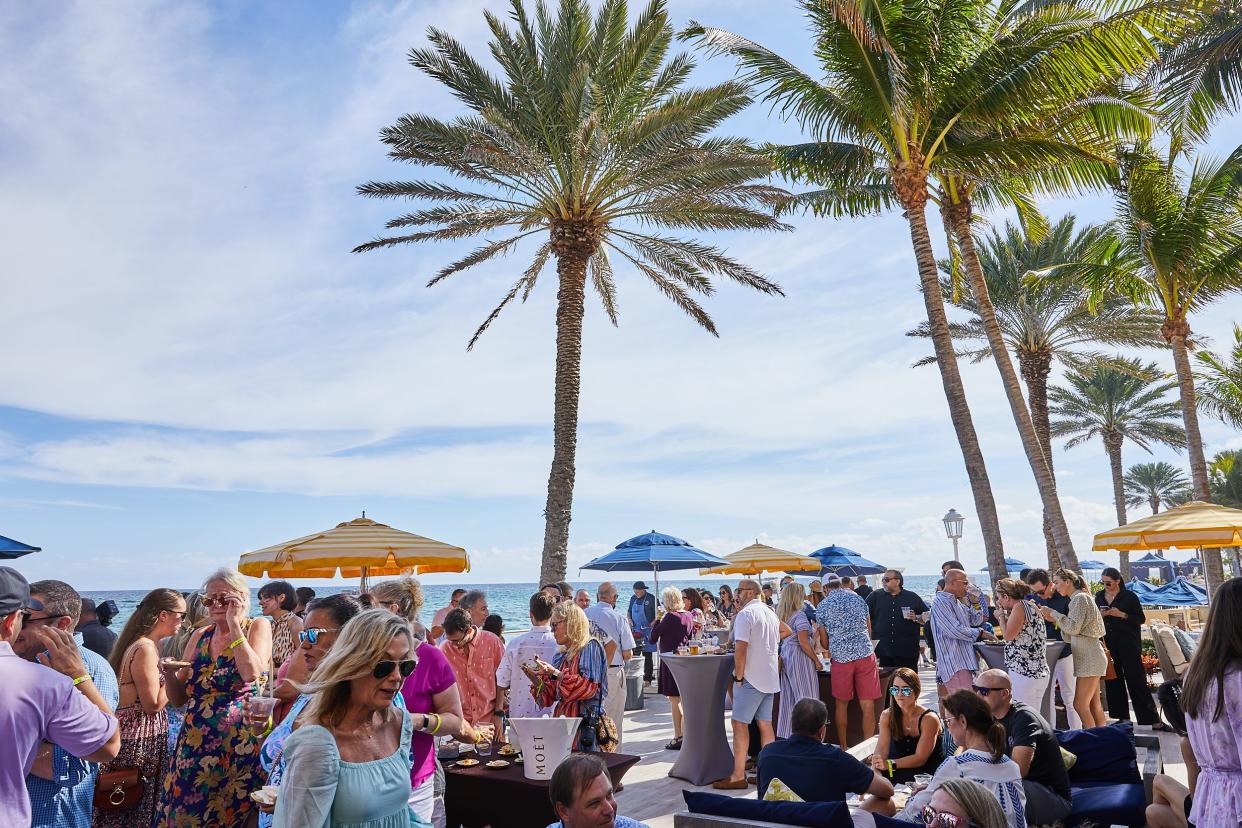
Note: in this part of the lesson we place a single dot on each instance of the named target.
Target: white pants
(1030, 691)
(423, 799)
(1063, 675)
(614, 702)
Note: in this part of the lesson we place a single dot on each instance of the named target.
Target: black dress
(908, 746)
(1124, 640)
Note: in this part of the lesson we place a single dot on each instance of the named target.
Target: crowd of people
(337, 702)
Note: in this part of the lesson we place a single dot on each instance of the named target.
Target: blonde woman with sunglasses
(348, 760)
(227, 661)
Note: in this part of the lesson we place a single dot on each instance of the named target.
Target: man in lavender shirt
(52, 701)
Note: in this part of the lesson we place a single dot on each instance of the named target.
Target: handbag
(119, 789)
(1110, 672)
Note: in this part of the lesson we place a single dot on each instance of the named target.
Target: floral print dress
(216, 763)
(1025, 654)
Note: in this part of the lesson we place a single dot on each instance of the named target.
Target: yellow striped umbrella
(758, 558)
(356, 549)
(1189, 526)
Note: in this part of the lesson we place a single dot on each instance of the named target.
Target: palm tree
(903, 86)
(1200, 72)
(1042, 321)
(1117, 402)
(1155, 485)
(1225, 472)
(1219, 381)
(591, 146)
(1175, 246)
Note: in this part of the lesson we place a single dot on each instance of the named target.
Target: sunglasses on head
(310, 635)
(986, 691)
(939, 819)
(901, 691)
(384, 668)
(210, 601)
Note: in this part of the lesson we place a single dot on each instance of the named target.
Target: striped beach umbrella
(1189, 526)
(355, 549)
(759, 558)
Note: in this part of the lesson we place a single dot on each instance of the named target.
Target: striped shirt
(955, 627)
(1003, 779)
(66, 801)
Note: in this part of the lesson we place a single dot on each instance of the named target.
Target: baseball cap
(15, 592)
(639, 585)
(832, 580)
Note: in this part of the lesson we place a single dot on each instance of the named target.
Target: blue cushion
(810, 814)
(1106, 755)
(1109, 805)
(1188, 645)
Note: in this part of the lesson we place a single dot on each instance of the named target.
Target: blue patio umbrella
(1092, 565)
(10, 548)
(654, 552)
(1010, 563)
(841, 561)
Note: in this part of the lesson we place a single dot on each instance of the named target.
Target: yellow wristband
(235, 644)
(81, 679)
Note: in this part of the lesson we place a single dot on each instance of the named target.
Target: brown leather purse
(119, 789)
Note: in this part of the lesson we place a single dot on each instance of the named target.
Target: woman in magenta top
(431, 690)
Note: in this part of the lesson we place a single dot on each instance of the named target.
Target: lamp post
(953, 529)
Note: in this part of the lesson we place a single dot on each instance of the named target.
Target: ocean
(509, 601)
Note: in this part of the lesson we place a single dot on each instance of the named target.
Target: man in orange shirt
(474, 654)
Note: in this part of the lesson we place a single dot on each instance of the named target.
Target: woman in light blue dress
(347, 763)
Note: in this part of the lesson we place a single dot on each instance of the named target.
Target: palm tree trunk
(1176, 332)
(1154, 500)
(1112, 445)
(959, 218)
(1035, 367)
(573, 246)
(910, 182)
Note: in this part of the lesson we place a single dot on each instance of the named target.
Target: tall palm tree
(1155, 485)
(590, 146)
(902, 89)
(1175, 246)
(1225, 473)
(1043, 321)
(1200, 72)
(1219, 382)
(1117, 402)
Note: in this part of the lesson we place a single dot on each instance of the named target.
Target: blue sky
(195, 365)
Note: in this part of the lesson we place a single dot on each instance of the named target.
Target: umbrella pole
(362, 582)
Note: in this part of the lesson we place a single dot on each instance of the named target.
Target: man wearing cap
(642, 615)
(62, 798)
(54, 700)
(94, 634)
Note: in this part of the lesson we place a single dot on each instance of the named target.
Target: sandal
(674, 745)
(1162, 727)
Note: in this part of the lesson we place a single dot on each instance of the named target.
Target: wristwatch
(736, 680)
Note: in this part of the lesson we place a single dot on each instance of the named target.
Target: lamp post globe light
(953, 529)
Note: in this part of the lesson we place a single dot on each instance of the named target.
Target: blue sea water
(509, 601)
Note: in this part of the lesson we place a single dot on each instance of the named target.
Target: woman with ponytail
(141, 711)
(983, 759)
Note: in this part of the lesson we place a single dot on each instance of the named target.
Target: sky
(195, 365)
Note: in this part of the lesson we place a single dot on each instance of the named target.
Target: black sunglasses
(986, 691)
(384, 668)
(27, 620)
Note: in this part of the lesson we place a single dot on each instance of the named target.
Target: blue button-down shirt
(65, 800)
(955, 627)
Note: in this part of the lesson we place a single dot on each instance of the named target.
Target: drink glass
(484, 745)
(907, 613)
(922, 780)
(261, 708)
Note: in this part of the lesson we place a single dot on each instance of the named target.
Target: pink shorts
(961, 680)
(856, 679)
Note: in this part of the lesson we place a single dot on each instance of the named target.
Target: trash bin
(634, 683)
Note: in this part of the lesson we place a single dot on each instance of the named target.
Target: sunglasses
(901, 691)
(210, 601)
(27, 620)
(987, 691)
(939, 819)
(310, 635)
(384, 668)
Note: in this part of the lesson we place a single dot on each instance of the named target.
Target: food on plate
(265, 795)
(509, 750)
(497, 764)
(467, 763)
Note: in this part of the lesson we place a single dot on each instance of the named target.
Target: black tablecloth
(478, 797)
